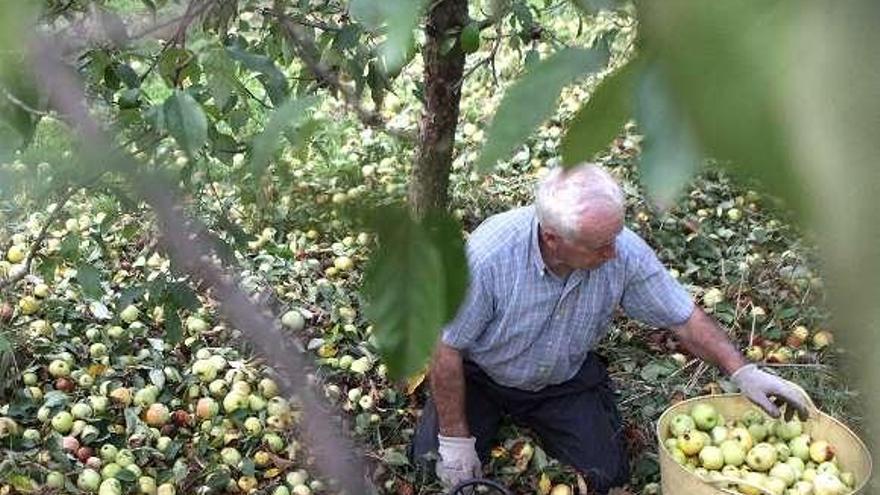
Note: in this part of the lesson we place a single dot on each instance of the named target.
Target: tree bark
(429, 181)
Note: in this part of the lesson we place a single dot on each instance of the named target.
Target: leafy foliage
(414, 285)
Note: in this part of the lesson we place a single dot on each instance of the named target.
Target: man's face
(592, 245)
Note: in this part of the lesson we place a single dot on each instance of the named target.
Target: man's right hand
(458, 460)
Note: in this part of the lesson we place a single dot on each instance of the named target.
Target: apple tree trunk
(429, 180)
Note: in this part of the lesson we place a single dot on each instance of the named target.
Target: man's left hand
(759, 386)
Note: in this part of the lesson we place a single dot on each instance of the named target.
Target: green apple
(828, 467)
(761, 457)
(147, 485)
(802, 488)
(800, 447)
(293, 320)
(788, 430)
(162, 443)
(205, 370)
(278, 406)
(848, 478)
(234, 401)
(124, 458)
(783, 452)
(110, 470)
(59, 368)
(88, 480)
(705, 416)
(130, 314)
(55, 479)
(753, 416)
(797, 464)
(62, 422)
(711, 457)
(166, 489)
(253, 426)
(110, 486)
(828, 484)
(196, 325)
(115, 332)
(29, 305)
(230, 456)
(256, 402)
(108, 452)
(733, 452)
(784, 472)
(99, 403)
(689, 443)
(719, 434)
(775, 486)
(753, 482)
(81, 410)
(742, 436)
(273, 441)
(268, 388)
(97, 350)
(16, 254)
(758, 431)
(681, 424)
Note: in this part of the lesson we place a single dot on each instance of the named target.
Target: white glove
(458, 460)
(759, 385)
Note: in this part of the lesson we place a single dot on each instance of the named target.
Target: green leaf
(291, 113)
(221, 77)
(5, 344)
(173, 331)
(725, 65)
(89, 279)
(444, 231)
(125, 475)
(178, 64)
(394, 457)
(247, 467)
(182, 295)
(274, 81)
(130, 295)
(532, 99)
(409, 298)
(186, 122)
(601, 118)
(400, 18)
(670, 154)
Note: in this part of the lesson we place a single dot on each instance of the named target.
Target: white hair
(563, 197)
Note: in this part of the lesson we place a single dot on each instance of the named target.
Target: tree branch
(188, 249)
(308, 52)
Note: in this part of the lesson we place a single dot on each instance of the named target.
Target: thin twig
(188, 17)
(35, 246)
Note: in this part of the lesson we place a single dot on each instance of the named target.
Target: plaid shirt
(528, 328)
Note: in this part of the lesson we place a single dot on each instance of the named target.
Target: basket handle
(728, 479)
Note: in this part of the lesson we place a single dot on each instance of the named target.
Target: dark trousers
(577, 421)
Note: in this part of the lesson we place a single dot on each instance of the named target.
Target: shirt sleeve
(651, 295)
(474, 313)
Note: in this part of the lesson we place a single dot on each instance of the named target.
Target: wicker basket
(676, 480)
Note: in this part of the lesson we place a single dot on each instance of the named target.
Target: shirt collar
(537, 259)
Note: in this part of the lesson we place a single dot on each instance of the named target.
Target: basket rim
(734, 395)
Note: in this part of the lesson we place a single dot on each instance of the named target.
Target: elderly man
(545, 280)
